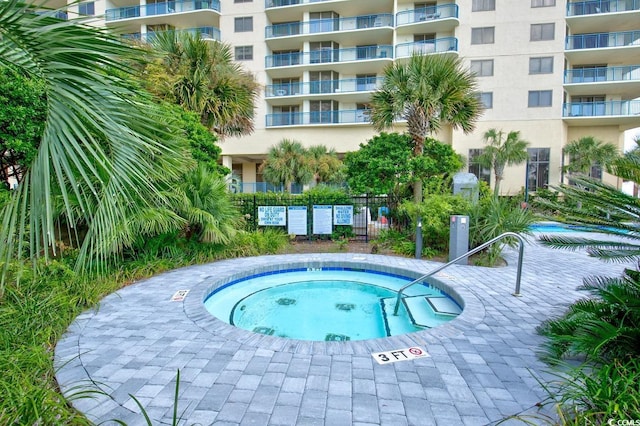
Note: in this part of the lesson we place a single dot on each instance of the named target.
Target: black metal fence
(369, 215)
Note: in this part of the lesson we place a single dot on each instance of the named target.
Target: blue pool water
(330, 305)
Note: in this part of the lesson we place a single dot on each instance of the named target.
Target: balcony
(354, 30)
(625, 114)
(348, 85)
(164, 8)
(329, 25)
(620, 80)
(434, 18)
(355, 59)
(604, 48)
(324, 118)
(591, 7)
(205, 33)
(439, 45)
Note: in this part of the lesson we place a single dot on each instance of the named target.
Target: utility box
(458, 238)
(467, 185)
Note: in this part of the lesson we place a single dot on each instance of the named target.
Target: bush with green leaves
(435, 212)
(493, 216)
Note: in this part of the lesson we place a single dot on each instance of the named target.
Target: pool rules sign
(406, 354)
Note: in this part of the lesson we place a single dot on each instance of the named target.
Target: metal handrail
(467, 254)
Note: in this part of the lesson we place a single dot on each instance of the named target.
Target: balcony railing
(591, 7)
(279, 3)
(349, 85)
(430, 13)
(206, 33)
(602, 74)
(318, 117)
(163, 8)
(425, 47)
(329, 25)
(329, 55)
(602, 40)
(601, 109)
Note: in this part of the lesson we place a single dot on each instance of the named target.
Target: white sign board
(405, 354)
(343, 215)
(272, 215)
(179, 295)
(297, 220)
(322, 219)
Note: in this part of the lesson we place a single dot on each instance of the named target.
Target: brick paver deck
(482, 366)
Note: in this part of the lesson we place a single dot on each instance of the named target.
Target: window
(487, 99)
(285, 86)
(540, 32)
(538, 166)
(480, 5)
(540, 98)
(482, 173)
(366, 82)
(243, 24)
(323, 51)
(587, 73)
(244, 53)
(543, 65)
(482, 68)
(87, 9)
(321, 22)
(587, 106)
(543, 3)
(482, 35)
(285, 115)
(324, 81)
(323, 112)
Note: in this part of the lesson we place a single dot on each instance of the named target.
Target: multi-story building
(554, 71)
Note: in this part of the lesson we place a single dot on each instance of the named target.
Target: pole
(419, 238)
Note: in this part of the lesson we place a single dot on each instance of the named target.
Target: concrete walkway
(481, 366)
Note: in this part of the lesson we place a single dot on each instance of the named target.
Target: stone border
(473, 312)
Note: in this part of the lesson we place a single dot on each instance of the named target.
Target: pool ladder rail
(516, 293)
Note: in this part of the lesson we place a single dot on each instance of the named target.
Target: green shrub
(435, 212)
(492, 217)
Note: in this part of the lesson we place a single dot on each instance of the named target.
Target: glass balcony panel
(330, 117)
(424, 14)
(602, 108)
(592, 7)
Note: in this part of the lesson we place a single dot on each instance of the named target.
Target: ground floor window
(482, 173)
(538, 165)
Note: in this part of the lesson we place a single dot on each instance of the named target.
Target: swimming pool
(329, 304)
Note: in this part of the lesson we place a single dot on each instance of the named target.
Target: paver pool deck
(483, 366)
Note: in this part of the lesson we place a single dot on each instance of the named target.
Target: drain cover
(285, 301)
(264, 330)
(336, 338)
(345, 306)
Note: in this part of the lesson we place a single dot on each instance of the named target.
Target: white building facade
(555, 71)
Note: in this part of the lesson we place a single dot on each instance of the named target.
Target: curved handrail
(467, 254)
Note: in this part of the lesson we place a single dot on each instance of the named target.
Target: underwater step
(431, 311)
(399, 324)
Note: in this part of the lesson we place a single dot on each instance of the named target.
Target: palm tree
(326, 165)
(428, 91)
(202, 199)
(100, 139)
(286, 163)
(501, 152)
(202, 77)
(587, 152)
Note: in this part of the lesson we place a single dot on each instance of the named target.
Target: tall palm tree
(286, 163)
(428, 91)
(501, 151)
(202, 77)
(100, 139)
(587, 152)
(326, 165)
